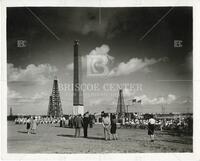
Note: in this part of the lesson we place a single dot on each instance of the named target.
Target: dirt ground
(53, 139)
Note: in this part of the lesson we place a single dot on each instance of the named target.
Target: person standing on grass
(91, 119)
(113, 127)
(34, 125)
(106, 125)
(61, 122)
(28, 125)
(151, 128)
(85, 123)
(78, 123)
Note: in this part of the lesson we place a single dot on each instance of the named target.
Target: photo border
(103, 3)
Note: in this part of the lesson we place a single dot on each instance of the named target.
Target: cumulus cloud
(40, 95)
(184, 100)
(170, 98)
(70, 66)
(17, 98)
(12, 94)
(32, 73)
(134, 65)
(128, 93)
(97, 57)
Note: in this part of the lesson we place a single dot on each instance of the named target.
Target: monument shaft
(78, 107)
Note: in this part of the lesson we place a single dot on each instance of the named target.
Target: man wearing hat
(85, 123)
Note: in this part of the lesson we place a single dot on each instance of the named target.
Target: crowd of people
(31, 124)
(184, 125)
(109, 123)
(77, 122)
(40, 120)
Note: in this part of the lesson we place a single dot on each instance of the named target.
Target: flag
(139, 101)
(133, 100)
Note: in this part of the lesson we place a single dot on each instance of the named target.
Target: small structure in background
(120, 105)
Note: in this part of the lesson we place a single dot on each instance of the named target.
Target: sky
(147, 48)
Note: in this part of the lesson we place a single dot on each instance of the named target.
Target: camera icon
(97, 65)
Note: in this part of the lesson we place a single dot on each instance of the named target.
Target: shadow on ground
(72, 136)
(23, 132)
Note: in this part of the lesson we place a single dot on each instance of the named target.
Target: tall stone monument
(78, 107)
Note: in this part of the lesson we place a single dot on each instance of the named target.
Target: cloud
(12, 94)
(112, 22)
(170, 98)
(99, 58)
(15, 97)
(102, 50)
(32, 73)
(135, 64)
(70, 66)
(39, 96)
(94, 102)
(101, 101)
(95, 58)
(128, 93)
(184, 100)
(88, 21)
(94, 27)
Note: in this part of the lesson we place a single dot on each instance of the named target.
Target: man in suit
(78, 122)
(85, 123)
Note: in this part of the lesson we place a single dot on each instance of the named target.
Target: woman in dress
(151, 128)
(113, 127)
(34, 125)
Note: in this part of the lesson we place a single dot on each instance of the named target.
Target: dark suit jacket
(78, 122)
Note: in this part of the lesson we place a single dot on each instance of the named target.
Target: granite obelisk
(78, 107)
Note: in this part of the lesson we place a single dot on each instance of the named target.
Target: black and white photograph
(99, 80)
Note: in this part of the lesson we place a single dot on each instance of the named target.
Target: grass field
(53, 139)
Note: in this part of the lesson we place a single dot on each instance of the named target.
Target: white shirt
(152, 121)
(106, 121)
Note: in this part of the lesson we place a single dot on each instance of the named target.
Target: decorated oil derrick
(55, 106)
(121, 105)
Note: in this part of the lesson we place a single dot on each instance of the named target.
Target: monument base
(78, 110)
